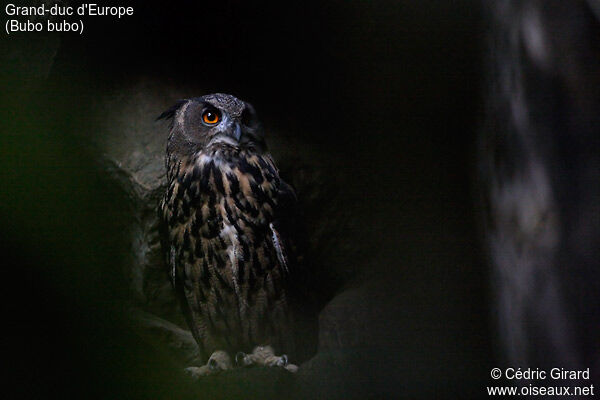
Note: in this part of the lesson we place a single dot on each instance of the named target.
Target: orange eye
(210, 117)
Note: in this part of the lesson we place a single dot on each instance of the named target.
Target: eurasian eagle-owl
(227, 219)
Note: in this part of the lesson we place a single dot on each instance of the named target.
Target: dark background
(391, 89)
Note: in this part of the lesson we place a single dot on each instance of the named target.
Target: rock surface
(540, 162)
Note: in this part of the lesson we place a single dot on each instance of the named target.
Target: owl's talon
(198, 372)
(191, 371)
(218, 361)
(265, 355)
(283, 361)
(293, 368)
(242, 359)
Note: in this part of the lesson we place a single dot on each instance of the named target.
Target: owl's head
(213, 121)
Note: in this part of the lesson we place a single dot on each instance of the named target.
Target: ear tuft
(170, 113)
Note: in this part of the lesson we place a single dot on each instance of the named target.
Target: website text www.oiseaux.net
(555, 379)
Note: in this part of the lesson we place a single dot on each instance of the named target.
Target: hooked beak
(237, 132)
(230, 135)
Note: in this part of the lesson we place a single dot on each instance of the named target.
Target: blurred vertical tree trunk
(540, 169)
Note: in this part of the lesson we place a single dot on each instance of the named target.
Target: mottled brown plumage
(226, 230)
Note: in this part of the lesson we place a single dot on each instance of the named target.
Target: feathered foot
(265, 356)
(218, 361)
